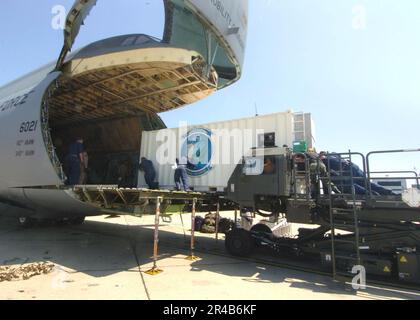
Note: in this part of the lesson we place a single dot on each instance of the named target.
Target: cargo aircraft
(109, 92)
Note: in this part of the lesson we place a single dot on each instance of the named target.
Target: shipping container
(212, 151)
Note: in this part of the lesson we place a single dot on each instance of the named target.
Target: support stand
(192, 257)
(183, 225)
(217, 221)
(155, 270)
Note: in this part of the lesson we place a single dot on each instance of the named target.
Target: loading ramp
(138, 202)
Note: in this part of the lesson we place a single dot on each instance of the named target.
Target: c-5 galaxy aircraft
(109, 92)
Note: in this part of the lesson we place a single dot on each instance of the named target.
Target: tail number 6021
(28, 126)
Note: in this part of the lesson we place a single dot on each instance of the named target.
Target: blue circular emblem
(197, 149)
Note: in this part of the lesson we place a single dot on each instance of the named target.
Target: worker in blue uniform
(181, 175)
(75, 161)
(148, 168)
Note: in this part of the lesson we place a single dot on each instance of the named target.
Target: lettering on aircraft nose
(15, 102)
(222, 10)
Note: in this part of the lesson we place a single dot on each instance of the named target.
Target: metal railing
(385, 178)
(344, 178)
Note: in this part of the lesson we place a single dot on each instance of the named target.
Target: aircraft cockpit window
(136, 41)
(142, 40)
(128, 42)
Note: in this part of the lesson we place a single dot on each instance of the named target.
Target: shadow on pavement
(100, 249)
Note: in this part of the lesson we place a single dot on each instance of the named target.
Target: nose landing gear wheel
(239, 242)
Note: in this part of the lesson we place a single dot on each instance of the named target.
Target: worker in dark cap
(148, 168)
(181, 175)
(75, 161)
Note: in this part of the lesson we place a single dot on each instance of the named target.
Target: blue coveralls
(73, 163)
(149, 173)
(181, 178)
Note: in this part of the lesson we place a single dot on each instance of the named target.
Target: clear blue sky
(361, 85)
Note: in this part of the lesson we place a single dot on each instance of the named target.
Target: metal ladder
(299, 126)
(344, 218)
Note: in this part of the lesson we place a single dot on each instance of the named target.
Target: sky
(353, 64)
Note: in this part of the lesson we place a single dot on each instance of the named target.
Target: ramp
(112, 199)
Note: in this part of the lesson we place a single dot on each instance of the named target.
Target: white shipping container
(214, 150)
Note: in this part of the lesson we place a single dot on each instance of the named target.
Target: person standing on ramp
(148, 168)
(181, 175)
(75, 161)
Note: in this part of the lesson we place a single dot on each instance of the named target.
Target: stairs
(344, 216)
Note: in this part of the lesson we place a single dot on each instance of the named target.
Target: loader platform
(138, 201)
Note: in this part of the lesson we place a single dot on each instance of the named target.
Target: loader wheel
(261, 229)
(239, 242)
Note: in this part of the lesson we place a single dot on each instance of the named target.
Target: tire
(239, 242)
(26, 222)
(261, 228)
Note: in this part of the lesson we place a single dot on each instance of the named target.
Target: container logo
(198, 150)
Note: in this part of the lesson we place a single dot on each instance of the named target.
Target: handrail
(350, 154)
(416, 176)
(385, 152)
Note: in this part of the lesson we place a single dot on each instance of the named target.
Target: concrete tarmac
(106, 258)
